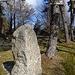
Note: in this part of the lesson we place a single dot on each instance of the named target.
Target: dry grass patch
(49, 65)
(4, 56)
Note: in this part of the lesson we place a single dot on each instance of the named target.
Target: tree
(63, 14)
(4, 25)
(10, 29)
(37, 26)
(1, 18)
(71, 9)
(55, 10)
(14, 16)
(9, 10)
(51, 51)
(23, 12)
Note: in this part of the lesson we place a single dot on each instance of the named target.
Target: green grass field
(62, 64)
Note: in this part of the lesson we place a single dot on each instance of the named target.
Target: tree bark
(63, 14)
(72, 28)
(72, 24)
(10, 29)
(51, 51)
(14, 16)
(1, 24)
(1, 19)
(48, 15)
(21, 23)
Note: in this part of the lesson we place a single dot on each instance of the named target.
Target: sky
(37, 3)
(34, 2)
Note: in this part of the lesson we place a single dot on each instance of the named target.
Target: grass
(4, 56)
(5, 47)
(62, 64)
(64, 61)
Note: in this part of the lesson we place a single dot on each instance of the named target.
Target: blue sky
(34, 2)
(38, 3)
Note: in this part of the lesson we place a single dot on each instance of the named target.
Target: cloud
(31, 2)
(34, 3)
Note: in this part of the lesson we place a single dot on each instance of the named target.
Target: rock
(26, 52)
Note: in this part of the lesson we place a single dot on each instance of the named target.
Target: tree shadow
(67, 46)
(8, 65)
(66, 51)
(66, 69)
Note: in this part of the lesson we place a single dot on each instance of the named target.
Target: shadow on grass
(67, 46)
(8, 65)
(68, 66)
(66, 51)
(65, 66)
(5, 47)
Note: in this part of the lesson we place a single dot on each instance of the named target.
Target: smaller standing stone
(26, 52)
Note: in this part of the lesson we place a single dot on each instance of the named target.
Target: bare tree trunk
(14, 16)
(1, 19)
(48, 16)
(1, 23)
(10, 28)
(51, 51)
(72, 28)
(72, 25)
(63, 14)
(20, 12)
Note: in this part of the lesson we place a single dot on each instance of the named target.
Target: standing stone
(26, 52)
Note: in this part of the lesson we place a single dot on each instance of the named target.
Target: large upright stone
(26, 52)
